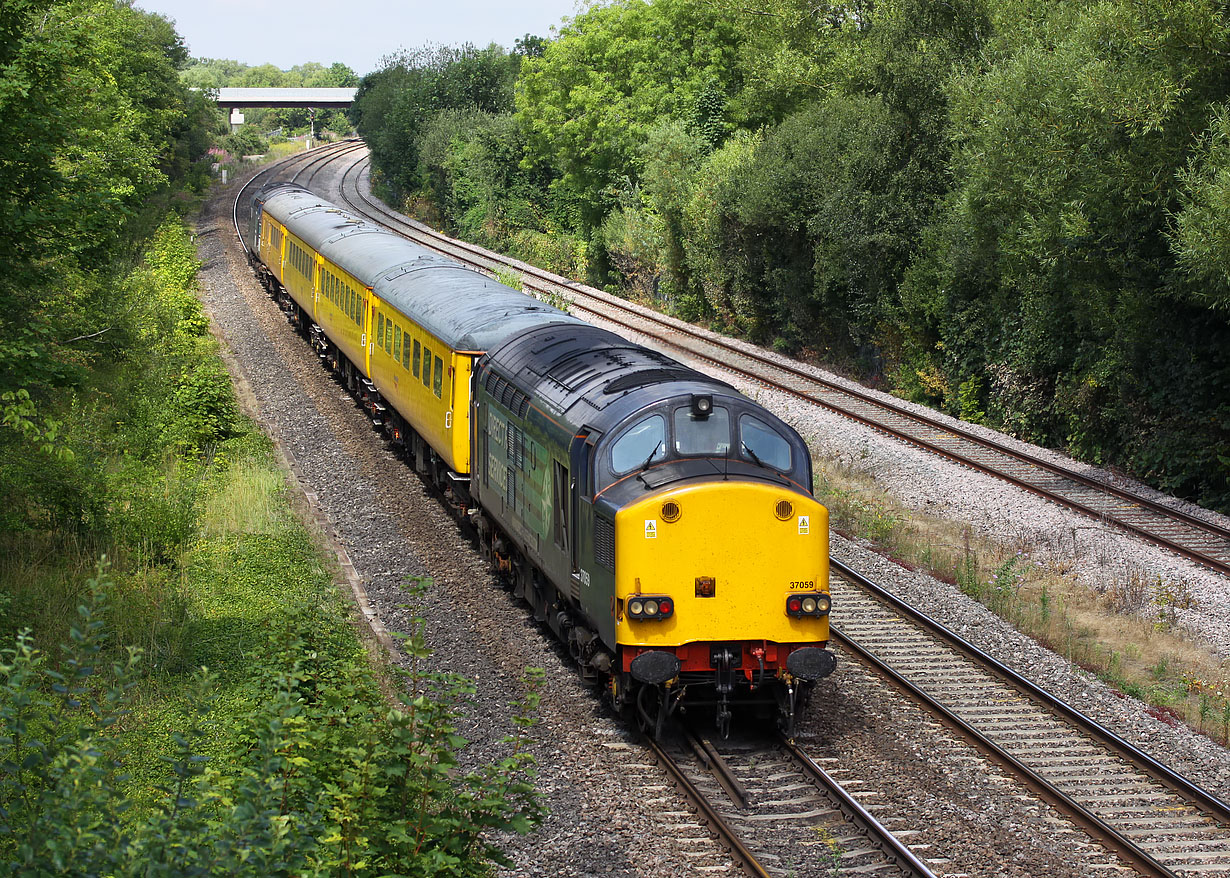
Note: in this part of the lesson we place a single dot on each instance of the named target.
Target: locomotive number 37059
(802, 584)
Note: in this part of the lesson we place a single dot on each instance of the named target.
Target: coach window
(640, 445)
(426, 366)
(709, 436)
(388, 335)
(761, 444)
(380, 329)
(396, 342)
(415, 358)
(437, 382)
(405, 353)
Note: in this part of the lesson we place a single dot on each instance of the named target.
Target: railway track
(777, 812)
(1152, 819)
(1186, 535)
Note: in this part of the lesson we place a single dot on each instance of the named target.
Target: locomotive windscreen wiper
(752, 454)
(652, 454)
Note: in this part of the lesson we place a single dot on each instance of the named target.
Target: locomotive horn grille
(671, 511)
(784, 510)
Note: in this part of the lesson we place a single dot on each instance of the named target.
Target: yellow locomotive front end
(728, 555)
(722, 589)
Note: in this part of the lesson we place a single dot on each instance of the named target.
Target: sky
(356, 32)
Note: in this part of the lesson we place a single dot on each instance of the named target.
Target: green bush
(326, 780)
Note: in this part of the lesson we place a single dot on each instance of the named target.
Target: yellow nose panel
(748, 545)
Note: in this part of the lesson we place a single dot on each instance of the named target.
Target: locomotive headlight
(651, 608)
(636, 608)
(809, 605)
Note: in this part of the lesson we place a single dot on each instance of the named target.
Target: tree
(1052, 270)
(395, 105)
(588, 102)
(97, 129)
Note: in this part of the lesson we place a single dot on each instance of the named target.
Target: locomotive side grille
(604, 543)
(784, 510)
(507, 395)
(671, 511)
(516, 448)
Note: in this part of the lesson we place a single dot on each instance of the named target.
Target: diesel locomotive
(660, 522)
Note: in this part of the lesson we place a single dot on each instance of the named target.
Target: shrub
(326, 780)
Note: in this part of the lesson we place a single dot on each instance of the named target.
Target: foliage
(1052, 270)
(326, 780)
(124, 476)
(99, 133)
(588, 102)
(396, 104)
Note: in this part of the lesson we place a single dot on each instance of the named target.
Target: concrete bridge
(320, 98)
(236, 99)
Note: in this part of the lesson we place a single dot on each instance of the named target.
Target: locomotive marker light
(799, 605)
(646, 607)
(702, 405)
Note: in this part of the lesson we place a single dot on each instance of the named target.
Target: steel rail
(1092, 825)
(726, 836)
(319, 155)
(858, 815)
(1195, 795)
(1104, 736)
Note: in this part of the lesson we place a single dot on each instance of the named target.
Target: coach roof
(463, 308)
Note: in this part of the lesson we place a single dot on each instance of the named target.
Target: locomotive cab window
(763, 445)
(706, 436)
(641, 444)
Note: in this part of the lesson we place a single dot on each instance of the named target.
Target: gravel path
(596, 785)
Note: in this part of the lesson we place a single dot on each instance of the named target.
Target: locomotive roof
(592, 376)
(462, 307)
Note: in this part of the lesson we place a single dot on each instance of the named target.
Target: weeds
(509, 277)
